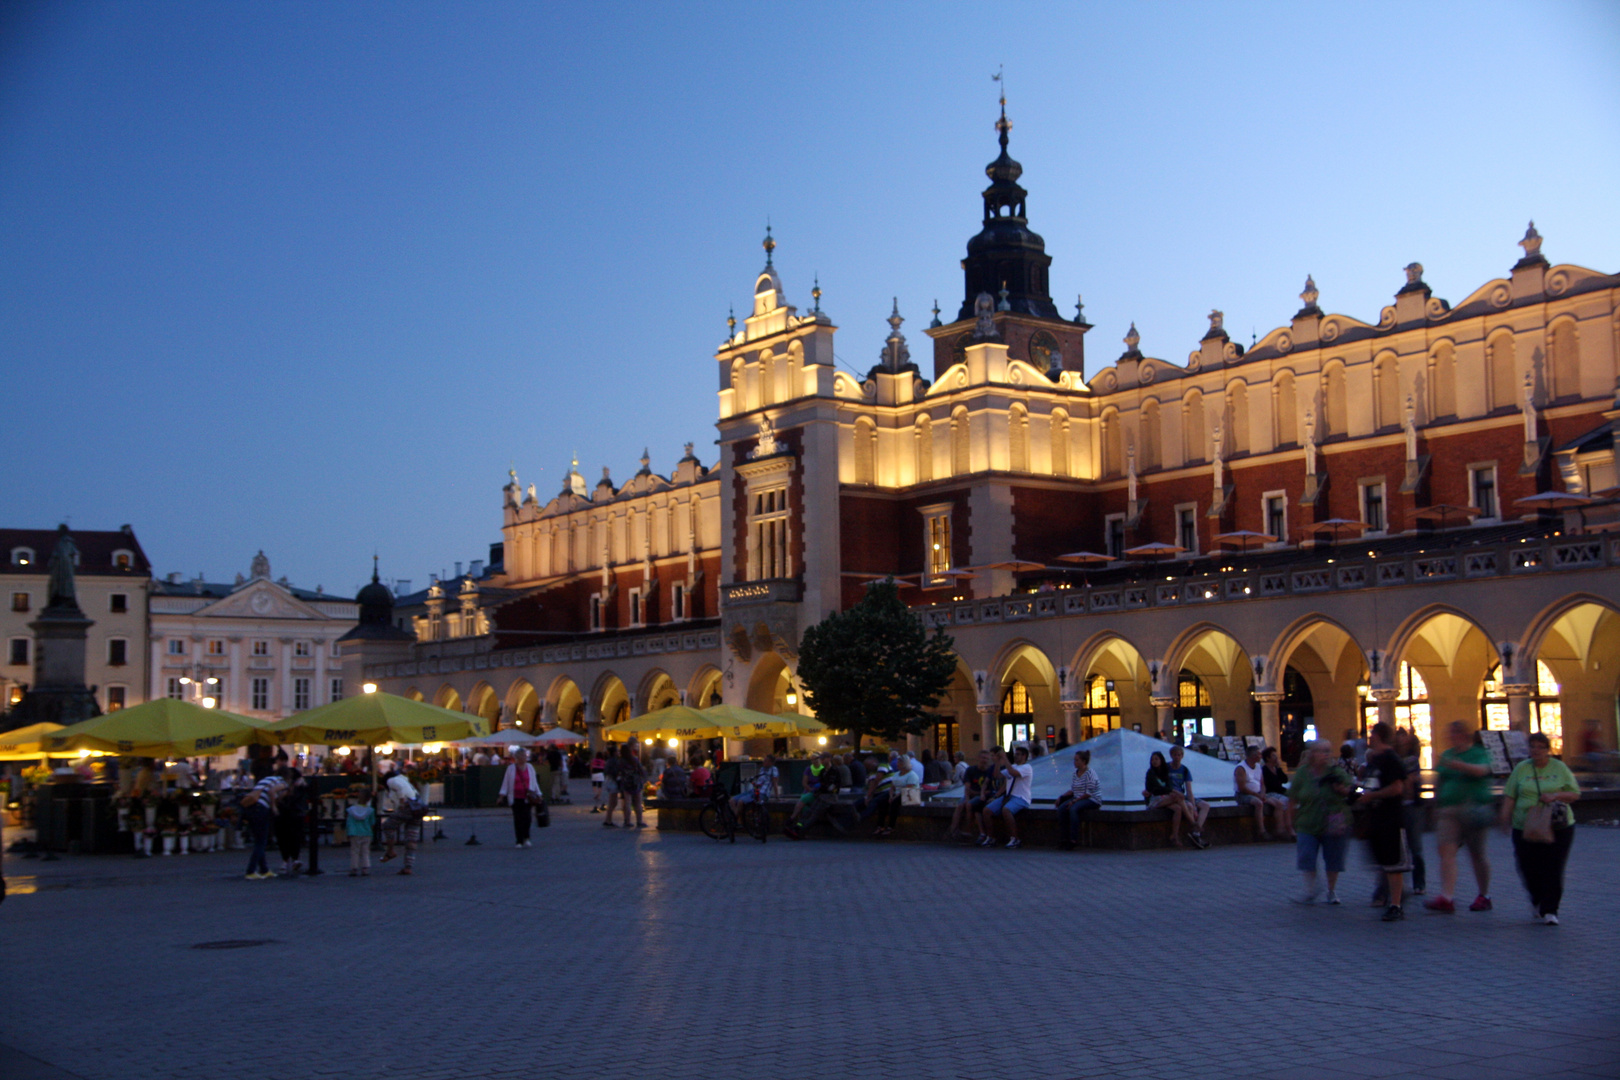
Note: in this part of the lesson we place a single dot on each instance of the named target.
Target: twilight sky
(311, 277)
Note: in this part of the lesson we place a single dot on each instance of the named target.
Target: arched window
(1017, 715)
(1412, 710)
(1443, 381)
(1285, 410)
(1152, 436)
(1387, 392)
(21, 556)
(1113, 444)
(1236, 434)
(1566, 360)
(1195, 713)
(1101, 711)
(1503, 371)
(1018, 438)
(1060, 443)
(1336, 408)
(865, 451)
(923, 433)
(1194, 447)
(961, 455)
(1546, 714)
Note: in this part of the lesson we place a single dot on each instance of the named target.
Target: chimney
(458, 569)
(402, 586)
(174, 578)
(476, 568)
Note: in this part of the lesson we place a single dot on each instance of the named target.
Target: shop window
(1412, 710)
(1546, 713)
(1017, 719)
(1195, 711)
(1100, 713)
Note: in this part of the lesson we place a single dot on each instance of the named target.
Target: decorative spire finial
(1079, 309)
(646, 460)
(1132, 338)
(815, 294)
(1003, 125)
(374, 578)
(895, 318)
(1310, 294)
(770, 245)
(1414, 273)
(1004, 305)
(1217, 320)
(1531, 242)
(731, 326)
(936, 321)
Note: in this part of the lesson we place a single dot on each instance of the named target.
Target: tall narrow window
(1482, 489)
(1443, 381)
(19, 651)
(335, 692)
(1336, 407)
(768, 530)
(1018, 438)
(19, 601)
(865, 451)
(1152, 436)
(1387, 380)
(300, 695)
(1187, 527)
(1237, 419)
(1193, 445)
(261, 694)
(923, 433)
(1276, 504)
(117, 697)
(1060, 443)
(635, 607)
(1566, 360)
(1285, 409)
(1372, 505)
(117, 651)
(596, 611)
(1113, 444)
(175, 690)
(677, 600)
(1503, 370)
(1114, 536)
(961, 452)
(937, 542)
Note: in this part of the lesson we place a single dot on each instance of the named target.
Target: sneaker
(1015, 842)
(1333, 898)
(985, 841)
(250, 877)
(1393, 913)
(518, 844)
(1199, 841)
(528, 843)
(407, 871)
(607, 825)
(1442, 904)
(1307, 898)
(1550, 919)
(1481, 903)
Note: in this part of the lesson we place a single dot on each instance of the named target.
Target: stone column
(1166, 707)
(1518, 702)
(593, 731)
(1270, 716)
(1385, 697)
(987, 726)
(1071, 720)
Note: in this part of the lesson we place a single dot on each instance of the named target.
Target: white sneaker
(1015, 842)
(528, 843)
(1550, 920)
(1332, 897)
(518, 844)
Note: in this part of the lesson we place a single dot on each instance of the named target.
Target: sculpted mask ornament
(767, 444)
(1217, 319)
(984, 311)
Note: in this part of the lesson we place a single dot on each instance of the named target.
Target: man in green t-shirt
(1464, 798)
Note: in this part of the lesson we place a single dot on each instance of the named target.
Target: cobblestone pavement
(603, 954)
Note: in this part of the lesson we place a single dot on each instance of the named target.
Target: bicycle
(756, 820)
(717, 820)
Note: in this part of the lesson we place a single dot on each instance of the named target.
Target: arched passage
(1212, 684)
(704, 689)
(1028, 702)
(481, 701)
(1574, 638)
(414, 694)
(1319, 667)
(523, 704)
(768, 686)
(447, 698)
(1110, 680)
(565, 704)
(657, 691)
(610, 701)
(1436, 666)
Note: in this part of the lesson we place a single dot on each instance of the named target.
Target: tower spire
(770, 245)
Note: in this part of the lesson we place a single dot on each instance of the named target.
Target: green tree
(874, 669)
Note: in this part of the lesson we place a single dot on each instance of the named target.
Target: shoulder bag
(1542, 818)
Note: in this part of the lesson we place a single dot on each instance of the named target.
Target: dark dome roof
(376, 602)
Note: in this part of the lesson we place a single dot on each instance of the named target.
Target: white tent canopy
(503, 737)
(559, 736)
(1120, 760)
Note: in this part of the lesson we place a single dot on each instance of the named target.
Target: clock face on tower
(261, 603)
(1042, 347)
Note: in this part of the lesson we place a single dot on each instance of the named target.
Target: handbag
(1543, 818)
(911, 795)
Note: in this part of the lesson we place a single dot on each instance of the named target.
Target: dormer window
(123, 559)
(22, 556)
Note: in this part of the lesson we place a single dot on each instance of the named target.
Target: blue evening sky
(309, 277)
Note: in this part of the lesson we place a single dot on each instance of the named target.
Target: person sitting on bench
(1020, 780)
(1083, 796)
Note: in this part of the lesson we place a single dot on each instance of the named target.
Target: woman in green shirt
(1542, 779)
(1321, 818)
(1464, 798)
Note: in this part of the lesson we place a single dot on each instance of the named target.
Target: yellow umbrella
(158, 728)
(804, 725)
(25, 743)
(372, 719)
(671, 722)
(736, 722)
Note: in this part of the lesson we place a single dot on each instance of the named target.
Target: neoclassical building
(1318, 530)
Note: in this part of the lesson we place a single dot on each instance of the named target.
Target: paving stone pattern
(605, 954)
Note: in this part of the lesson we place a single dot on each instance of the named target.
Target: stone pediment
(260, 600)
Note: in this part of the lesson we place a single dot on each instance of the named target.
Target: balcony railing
(772, 591)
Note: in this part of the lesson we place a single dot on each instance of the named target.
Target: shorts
(807, 798)
(597, 778)
(610, 786)
(1387, 845)
(1010, 803)
(976, 804)
(1306, 845)
(748, 796)
(1464, 826)
(1160, 801)
(1246, 798)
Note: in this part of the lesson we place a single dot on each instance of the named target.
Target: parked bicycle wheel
(718, 823)
(757, 821)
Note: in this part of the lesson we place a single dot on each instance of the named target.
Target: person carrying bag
(1535, 807)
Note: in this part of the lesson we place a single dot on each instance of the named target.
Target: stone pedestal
(987, 726)
(1270, 714)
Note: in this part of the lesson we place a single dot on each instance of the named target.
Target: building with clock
(256, 646)
(1403, 516)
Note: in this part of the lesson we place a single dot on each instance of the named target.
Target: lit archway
(481, 701)
(523, 704)
(414, 694)
(768, 686)
(1572, 639)
(705, 688)
(1028, 696)
(1319, 667)
(610, 701)
(1442, 652)
(657, 691)
(1213, 684)
(1110, 679)
(447, 698)
(566, 704)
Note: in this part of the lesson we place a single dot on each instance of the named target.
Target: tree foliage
(874, 669)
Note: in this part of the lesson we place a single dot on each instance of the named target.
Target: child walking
(598, 765)
(359, 823)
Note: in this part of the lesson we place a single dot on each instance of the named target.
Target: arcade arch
(1027, 696)
(768, 687)
(447, 698)
(657, 691)
(1208, 659)
(1451, 656)
(1114, 688)
(704, 689)
(523, 704)
(481, 701)
(611, 700)
(565, 704)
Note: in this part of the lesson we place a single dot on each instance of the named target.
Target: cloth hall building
(1336, 524)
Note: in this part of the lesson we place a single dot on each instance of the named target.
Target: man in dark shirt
(559, 775)
(1385, 780)
(857, 772)
(975, 795)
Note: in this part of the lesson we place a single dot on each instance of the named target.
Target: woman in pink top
(517, 786)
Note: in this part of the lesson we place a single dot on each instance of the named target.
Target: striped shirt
(1086, 786)
(268, 789)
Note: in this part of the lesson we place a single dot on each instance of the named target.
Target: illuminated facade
(1409, 441)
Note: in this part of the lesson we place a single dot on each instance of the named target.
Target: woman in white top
(518, 786)
(1249, 783)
